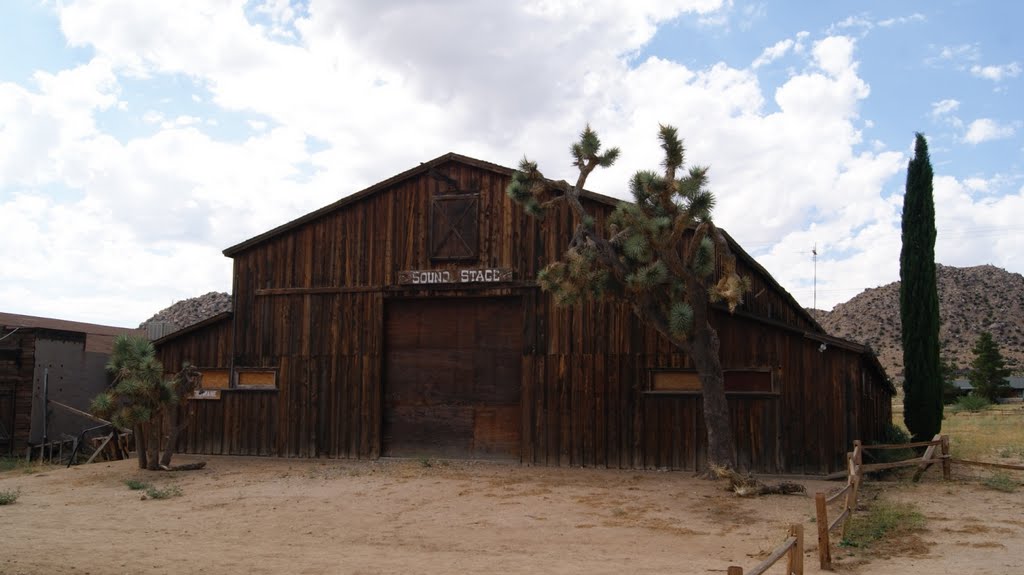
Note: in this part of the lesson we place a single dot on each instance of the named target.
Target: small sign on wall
(463, 276)
(206, 394)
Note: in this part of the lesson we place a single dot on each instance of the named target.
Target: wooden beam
(987, 464)
(903, 445)
(86, 415)
(926, 459)
(106, 440)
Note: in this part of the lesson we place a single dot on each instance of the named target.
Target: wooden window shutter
(455, 227)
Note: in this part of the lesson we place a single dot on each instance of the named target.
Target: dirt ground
(278, 516)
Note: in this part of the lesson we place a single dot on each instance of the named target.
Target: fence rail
(792, 548)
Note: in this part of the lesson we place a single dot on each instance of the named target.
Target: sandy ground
(276, 516)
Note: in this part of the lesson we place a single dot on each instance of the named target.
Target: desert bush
(971, 403)
(882, 519)
(892, 434)
(135, 484)
(1001, 482)
(9, 496)
(165, 493)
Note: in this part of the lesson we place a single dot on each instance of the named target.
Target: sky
(140, 139)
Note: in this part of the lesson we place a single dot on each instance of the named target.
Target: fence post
(821, 509)
(947, 465)
(734, 570)
(795, 565)
(853, 481)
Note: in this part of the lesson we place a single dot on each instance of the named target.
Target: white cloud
(773, 52)
(39, 126)
(974, 227)
(943, 107)
(997, 73)
(985, 129)
(382, 87)
(960, 52)
(915, 17)
(861, 21)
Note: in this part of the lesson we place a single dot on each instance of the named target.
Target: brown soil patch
(272, 516)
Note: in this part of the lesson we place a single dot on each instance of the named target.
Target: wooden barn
(405, 320)
(49, 359)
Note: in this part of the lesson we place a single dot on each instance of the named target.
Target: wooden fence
(856, 468)
(847, 496)
(792, 548)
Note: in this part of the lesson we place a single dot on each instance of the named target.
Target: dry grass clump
(746, 485)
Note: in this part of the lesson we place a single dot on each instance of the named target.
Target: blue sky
(137, 139)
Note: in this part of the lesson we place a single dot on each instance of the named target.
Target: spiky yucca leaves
(139, 389)
(641, 234)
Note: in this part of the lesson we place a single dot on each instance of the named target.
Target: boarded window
(748, 381)
(455, 227)
(736, 381)
(214, 378)
(675, 381)
(256, 379)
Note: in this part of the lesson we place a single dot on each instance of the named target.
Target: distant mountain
(971, 300)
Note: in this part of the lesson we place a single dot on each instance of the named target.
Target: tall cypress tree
(919, 301)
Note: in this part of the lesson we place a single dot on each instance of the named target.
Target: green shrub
(165, 493)
(1001, 482)
(135, 484)
(971, 403)
(883, 519)
(9, 496)
(892, 434)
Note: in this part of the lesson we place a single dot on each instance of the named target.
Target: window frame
(652, 390)
(433, 215)
(240, 371)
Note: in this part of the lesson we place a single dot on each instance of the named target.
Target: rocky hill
(971, 300)
(193, 310)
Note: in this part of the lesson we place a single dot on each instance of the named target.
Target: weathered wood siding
(17, 368)
(310, 302)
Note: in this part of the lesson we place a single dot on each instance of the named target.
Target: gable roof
(505, 171)
(384, 184)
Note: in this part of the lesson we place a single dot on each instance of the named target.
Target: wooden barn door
(452, 378)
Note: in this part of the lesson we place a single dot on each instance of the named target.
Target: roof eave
(191, 328)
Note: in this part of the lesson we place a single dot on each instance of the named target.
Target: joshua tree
(140, 397)
(658, 255)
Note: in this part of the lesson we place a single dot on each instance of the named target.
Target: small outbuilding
(45, 359)
(405, 320)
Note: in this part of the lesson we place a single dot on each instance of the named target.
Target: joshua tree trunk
(140, 446)
(172, 437)
(705, 354)
(153, 445)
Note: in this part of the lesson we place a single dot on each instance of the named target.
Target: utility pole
(814, 257)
